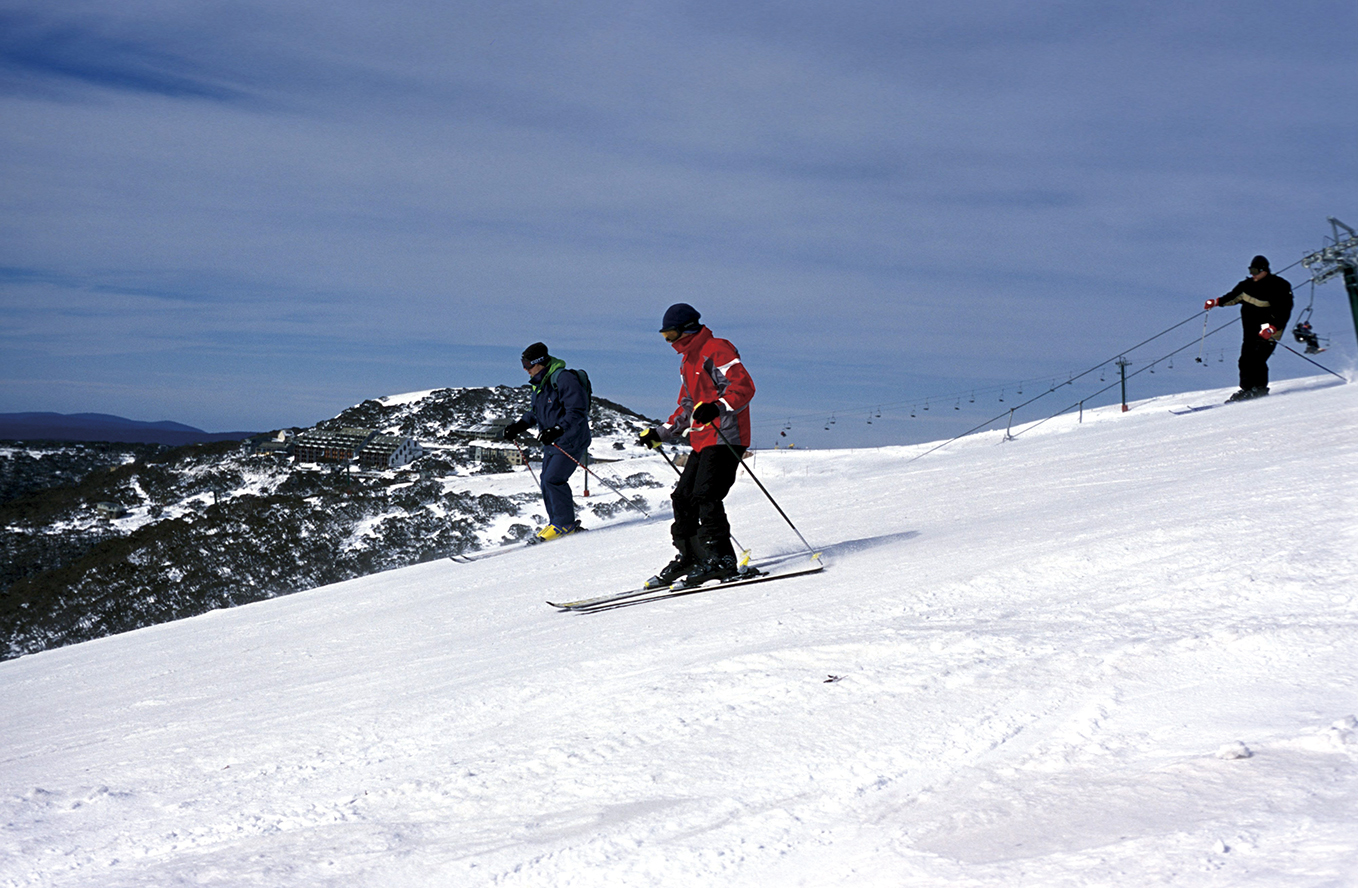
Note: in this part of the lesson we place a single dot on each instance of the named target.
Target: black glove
(706, 412)
(649, 438)
(550, 435)
(514, 429)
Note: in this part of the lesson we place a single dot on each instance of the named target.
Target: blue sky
(242, 215)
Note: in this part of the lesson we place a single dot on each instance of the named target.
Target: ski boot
(553, 532)
(718, 567)
(675, 570)
(1248, 394)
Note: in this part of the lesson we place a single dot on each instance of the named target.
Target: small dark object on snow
(832, 679)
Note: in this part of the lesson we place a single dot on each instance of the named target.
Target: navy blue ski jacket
(560, 399)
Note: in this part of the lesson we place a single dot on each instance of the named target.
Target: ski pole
(523, 456)
(681, 474)
(720, 434)
(1304, 358)
(605, 480)
(1204, 336)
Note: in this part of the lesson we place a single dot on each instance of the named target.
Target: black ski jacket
(1265, 301)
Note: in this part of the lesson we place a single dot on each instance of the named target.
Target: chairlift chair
(1303, 333)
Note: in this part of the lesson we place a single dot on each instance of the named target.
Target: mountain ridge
(98, 427)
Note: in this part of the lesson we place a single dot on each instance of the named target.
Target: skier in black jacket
(1265, 302)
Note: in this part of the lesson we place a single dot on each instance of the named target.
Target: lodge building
(372, 449)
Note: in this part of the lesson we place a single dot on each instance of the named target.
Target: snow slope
(1117, 652)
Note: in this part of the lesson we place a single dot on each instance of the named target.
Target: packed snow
(1116, 651)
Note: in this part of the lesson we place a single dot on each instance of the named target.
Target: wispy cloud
(975, 190)
(35, 49)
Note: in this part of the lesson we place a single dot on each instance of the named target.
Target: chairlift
(1303, 333)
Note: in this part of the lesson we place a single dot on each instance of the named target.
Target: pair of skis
(1180, 411)
(638, 596)
(483, 554)
(505, 549)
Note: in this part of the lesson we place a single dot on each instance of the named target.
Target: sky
(246, 215)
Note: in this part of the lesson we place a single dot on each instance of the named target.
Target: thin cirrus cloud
(35, 53)
(400, 195)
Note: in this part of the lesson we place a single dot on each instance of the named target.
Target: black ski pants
(1254, 355)
(698, 510)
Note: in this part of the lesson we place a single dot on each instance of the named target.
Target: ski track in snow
(1117, 652)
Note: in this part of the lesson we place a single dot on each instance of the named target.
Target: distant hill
(208, 525)
(104, 427)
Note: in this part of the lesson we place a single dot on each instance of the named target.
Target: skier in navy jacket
(560, 409)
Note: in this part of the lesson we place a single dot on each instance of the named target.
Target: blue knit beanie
(682, 317)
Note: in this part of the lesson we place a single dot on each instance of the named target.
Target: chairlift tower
(1339, 258)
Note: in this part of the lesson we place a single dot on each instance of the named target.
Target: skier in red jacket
(714, 412)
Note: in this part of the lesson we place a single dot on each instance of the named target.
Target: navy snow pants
(557, 469)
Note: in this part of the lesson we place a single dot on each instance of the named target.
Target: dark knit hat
(682, 317)
(535, 354)
(1258, 263)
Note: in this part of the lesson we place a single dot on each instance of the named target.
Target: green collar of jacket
(555, 367)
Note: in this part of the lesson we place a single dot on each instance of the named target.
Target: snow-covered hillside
(1117, 652)
(212, 526)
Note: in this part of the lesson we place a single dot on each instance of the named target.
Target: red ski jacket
(712, 373)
